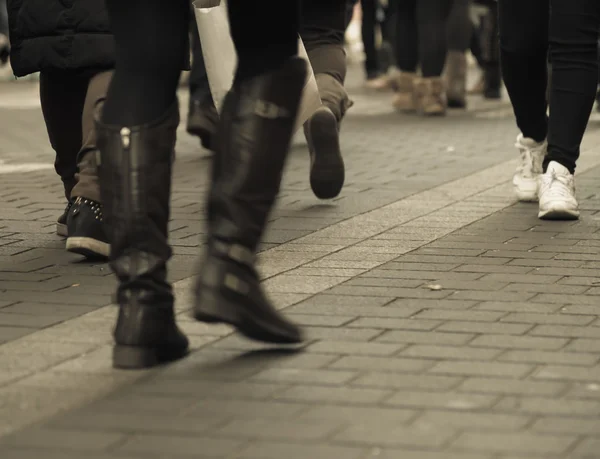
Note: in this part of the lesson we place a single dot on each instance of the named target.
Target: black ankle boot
(135, 178)
(202, 121)
(493, 82)
(255, 130)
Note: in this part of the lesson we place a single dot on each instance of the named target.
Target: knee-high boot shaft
(257, 124)
(255, 131)
(135, 177)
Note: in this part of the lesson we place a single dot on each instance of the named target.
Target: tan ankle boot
(430, 96)
(403, 97)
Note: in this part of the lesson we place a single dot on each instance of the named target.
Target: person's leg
(460, 30)
(407, 57)
(490, 47)
(62, 96)
(85, 219)
(250, 155)
(524, 50)
(475, 44)
(430, 91)
(202, 113)
(322, 32)
(432, 19)
(3, 18)
(255, 131)
(407, 40)
(477, 13)
(369, 20)
(4, 42)
(574, 53)
(523, 57)
(136, 139)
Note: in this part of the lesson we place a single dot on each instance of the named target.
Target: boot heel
(132, 357)
(327, 172)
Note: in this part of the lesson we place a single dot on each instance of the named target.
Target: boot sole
(457, 103)
(327, 172)
(252, 327)
(135, 358)
(62, 230)
(88, 247)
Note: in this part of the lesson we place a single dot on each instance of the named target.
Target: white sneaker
(557, 194)
(526, 176)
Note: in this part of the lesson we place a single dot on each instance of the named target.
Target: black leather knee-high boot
(255, 131)
(135, 183)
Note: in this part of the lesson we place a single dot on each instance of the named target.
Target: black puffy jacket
(60, 35)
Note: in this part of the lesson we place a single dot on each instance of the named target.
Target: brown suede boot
(327, 170)
(430, 96)
(404, 100)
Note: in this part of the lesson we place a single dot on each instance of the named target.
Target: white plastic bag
(220, 57)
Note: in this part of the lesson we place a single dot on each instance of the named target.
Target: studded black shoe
(85, 223)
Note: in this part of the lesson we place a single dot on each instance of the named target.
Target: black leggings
(151, 41)
(571, 33)
(459, 26)
(421, 35)
(368, 26)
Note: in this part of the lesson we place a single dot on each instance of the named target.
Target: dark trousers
(198, 82)
(527, 31)
(368, 27)
(459, 26)
(68, 100)
(421, 35)
(489, 43)
(323, 25)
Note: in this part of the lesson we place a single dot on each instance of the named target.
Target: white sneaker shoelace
(557, 194)
(554, 186)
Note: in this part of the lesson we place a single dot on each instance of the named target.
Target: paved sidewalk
(445, 320)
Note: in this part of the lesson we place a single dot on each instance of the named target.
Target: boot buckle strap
(236, 252)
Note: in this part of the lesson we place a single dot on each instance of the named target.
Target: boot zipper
(126, 171)
(125, 137)
(126, 197)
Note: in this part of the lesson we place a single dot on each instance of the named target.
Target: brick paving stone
(502, 361)
(518, 442)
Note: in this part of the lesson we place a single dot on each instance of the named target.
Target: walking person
(549, 146)
(73, 49)
(136, 135)
(421, 42)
